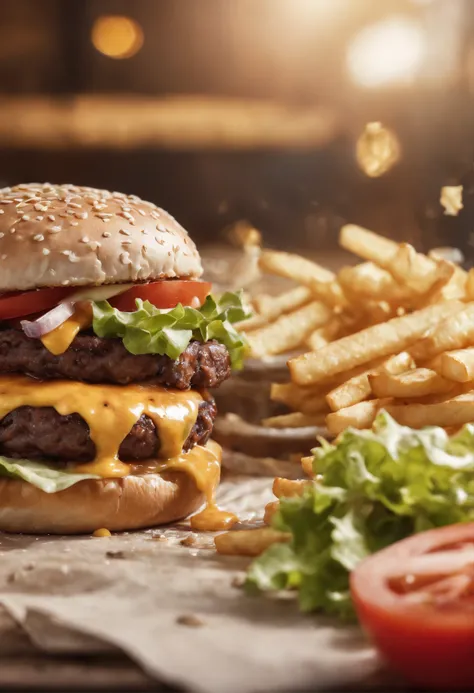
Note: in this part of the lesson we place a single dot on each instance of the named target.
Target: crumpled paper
(176, 609)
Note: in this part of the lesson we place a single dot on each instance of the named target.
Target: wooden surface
(185, 122)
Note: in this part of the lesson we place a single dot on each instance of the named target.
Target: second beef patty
(42, 433)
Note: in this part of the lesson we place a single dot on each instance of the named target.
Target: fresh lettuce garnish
(373, 488)
(149, 330)
(48, 479)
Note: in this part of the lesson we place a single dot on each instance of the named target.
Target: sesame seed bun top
(64, 235)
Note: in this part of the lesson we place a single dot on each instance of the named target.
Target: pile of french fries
(394, 332)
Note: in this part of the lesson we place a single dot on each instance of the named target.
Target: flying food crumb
(115, 554)
(159, 537)
(190, 620)
(102, 532)
(190, 540)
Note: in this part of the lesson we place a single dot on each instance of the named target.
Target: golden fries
(287, 488)
(321, 281)
(294, 420)
(288, 331)
(248, 542)
(380, 340)
(367, 280)
(325, 334)
(458, 365)
(271, 307)
(452, 412)
(307, 465)
(360, 415)
(455, 332)
(367, 244)
(416, 383)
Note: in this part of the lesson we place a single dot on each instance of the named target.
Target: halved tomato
(21, 303)
(416, 601)
(166, 293)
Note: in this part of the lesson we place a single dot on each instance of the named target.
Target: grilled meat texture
(42, 433)
(93, 359)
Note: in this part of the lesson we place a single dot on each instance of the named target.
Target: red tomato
(21, 303)
(166, 293)
(416, 601)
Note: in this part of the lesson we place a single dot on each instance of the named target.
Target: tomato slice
(166, 293)
(416, 601)
(21, 303)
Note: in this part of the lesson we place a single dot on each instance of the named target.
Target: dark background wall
(286, 51)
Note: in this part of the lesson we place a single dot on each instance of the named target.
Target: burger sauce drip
(111, 411)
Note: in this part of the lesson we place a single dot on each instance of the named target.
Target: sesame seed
(104, 215)
(65, 282)
(2, 235)
(145, 232)
(82, 215)
(154, 214)
(125, 259)
(124, 232)
(94, 245)
(142, 212)
(160, 241)
(39, 217)
(126, 243)
(85, 239)
(39, 237)
(54, 229)
(52, 272)
(65, 252)
(2, 211)
(46, 251)
(51, 217)
(74, 223)
(126, 209)
(63, 214)
(4, 257)
(160, 227)
(75, 205)
(106, 234)
(74, 258)
(169, 253)
(40, 208)
(12, 230)
(25, 217)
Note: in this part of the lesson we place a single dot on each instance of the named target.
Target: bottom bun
(131, 502)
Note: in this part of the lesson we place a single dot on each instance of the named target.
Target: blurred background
(296, 115)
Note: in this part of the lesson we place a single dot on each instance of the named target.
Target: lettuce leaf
(149, 330)
(373, 488)
(40, 475)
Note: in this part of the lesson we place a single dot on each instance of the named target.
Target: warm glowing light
(377, 150)
(388, 52)
(116, 36)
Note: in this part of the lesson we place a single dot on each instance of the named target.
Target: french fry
(253, 323)
(367, 244)
(458, 365)
(379, 340)
(358, 388)
(321, 281)
(288, 488)
(270, 511)
(452, 412)
(249, 542)
(470, 285)
(288, 331)
(294, 420)
(271, 307)
(360, 415)
(455, 332)
(307, 464)
(455, 288)
(417, 383)
(367, 280)
(309, 401)
(417, 271)
(325, 334)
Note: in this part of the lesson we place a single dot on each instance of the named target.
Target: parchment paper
(134, 590)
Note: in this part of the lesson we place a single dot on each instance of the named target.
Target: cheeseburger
(109, 342)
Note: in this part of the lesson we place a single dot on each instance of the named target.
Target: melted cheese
(62, 337)
(110, 411)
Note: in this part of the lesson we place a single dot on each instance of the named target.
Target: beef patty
(42, 433)
(92, 359)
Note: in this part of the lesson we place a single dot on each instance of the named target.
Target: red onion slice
(49, 321)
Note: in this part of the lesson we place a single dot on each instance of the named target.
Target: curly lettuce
(149, 330)
(373, 487)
